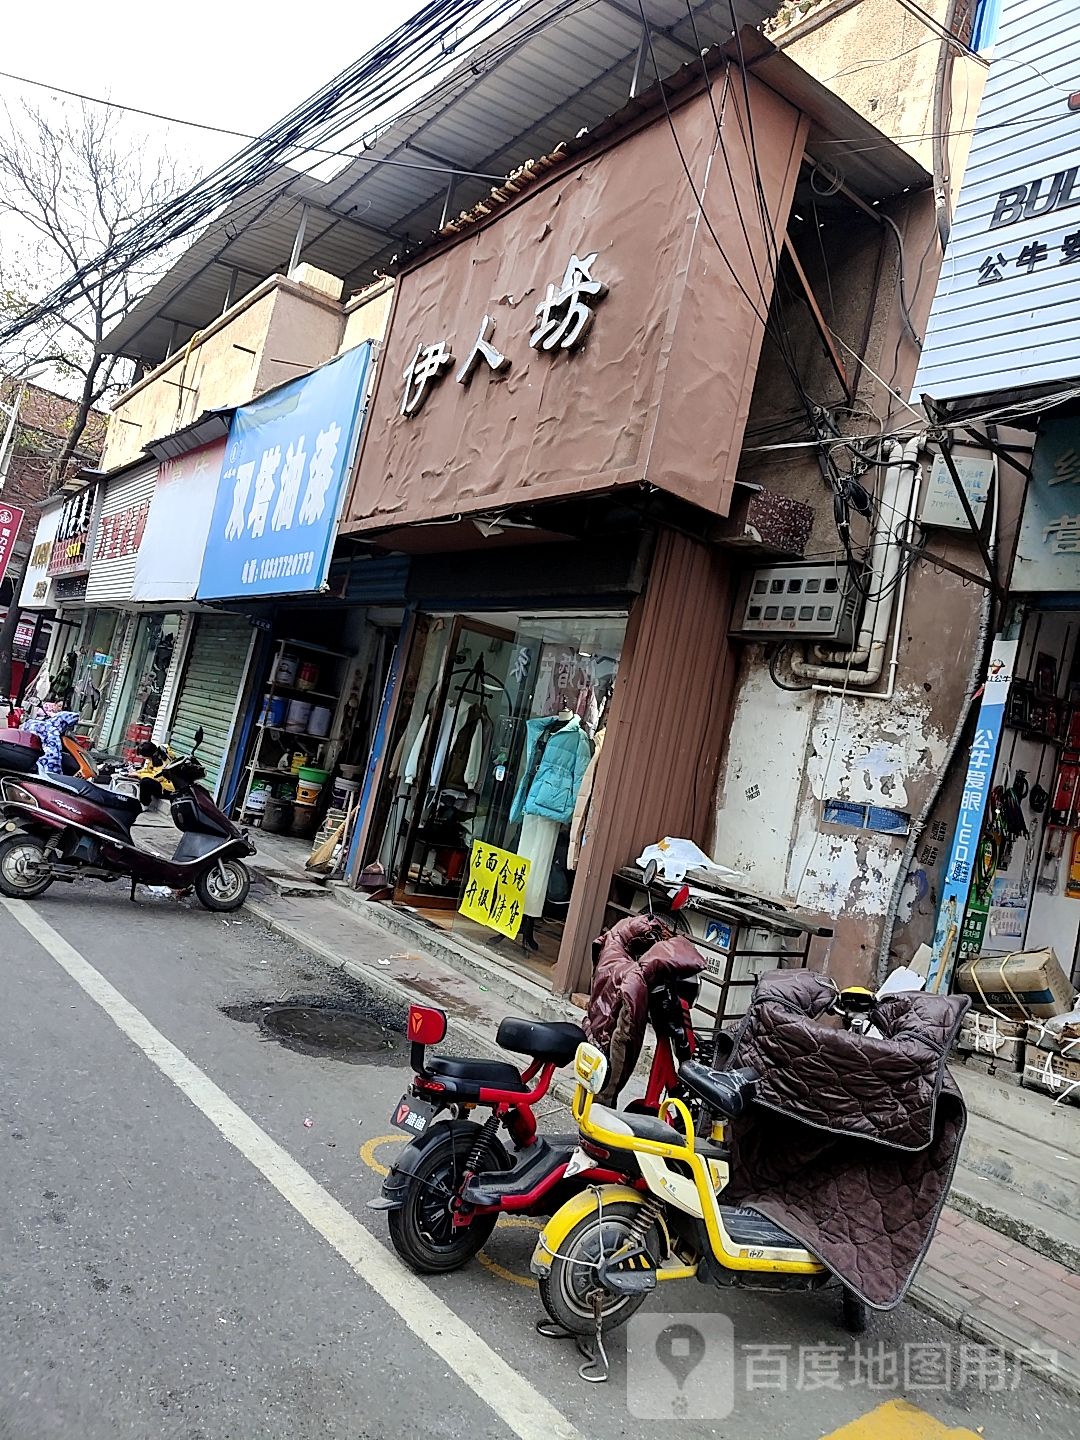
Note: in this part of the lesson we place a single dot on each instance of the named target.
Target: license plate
(411, 1115)
(578, 1162)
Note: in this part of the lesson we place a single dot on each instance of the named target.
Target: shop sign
(1048, 550)
(170, 554)
(70, 552)
(563, 319)
(973, 804)
(69, 587)
(11, 518)
(121, 534)
(1008, 302)
(495, 889)
(286, 461)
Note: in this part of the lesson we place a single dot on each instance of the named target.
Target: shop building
(555, 440)
(1000, 352)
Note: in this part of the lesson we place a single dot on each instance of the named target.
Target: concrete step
(284, 884)
(1039, 1227)
(1028, 1167)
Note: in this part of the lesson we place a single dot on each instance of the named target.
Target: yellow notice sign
(495, 889)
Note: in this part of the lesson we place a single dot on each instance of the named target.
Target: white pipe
(901, 486)
(901, 594)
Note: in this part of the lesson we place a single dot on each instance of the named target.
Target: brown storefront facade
(566, 381)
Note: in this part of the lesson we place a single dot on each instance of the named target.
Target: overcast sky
(235, 63)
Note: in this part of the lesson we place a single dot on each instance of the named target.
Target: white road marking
(523, 1410)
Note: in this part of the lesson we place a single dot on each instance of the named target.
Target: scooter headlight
(590, 1067)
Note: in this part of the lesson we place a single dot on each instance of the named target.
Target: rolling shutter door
(210, 688)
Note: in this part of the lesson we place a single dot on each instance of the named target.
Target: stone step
(284, 884)
(1040, 1227)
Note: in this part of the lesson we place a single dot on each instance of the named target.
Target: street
(185, 1250)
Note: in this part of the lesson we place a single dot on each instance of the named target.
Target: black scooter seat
(98, 795)
(729, 1091)
(491, 1074)
(553, 1042)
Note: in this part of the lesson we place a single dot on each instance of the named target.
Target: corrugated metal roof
(518, 95)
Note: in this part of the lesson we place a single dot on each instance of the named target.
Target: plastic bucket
(274, 710)
(307, 677)
(277, 816)
(345, 792)
(304, 821)
(256, 801)
(285, 670)
(319, 720)
(298, 715)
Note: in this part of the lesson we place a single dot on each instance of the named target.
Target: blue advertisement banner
(1048, 549)
(286, 463)
(977, 785)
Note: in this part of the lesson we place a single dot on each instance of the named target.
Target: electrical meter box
(816, 601)
(941, 505)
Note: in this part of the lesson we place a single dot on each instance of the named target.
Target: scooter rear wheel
(22, 858)
(423, 1230)
(567, 1291)
(224, 892)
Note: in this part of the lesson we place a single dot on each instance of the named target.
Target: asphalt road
(185, 1250)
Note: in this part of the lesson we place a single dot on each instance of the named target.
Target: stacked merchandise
(1022, 1020)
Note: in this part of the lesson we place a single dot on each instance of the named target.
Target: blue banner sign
(286, 463)
(977, 786)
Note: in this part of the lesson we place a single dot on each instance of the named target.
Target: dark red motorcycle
(62, 827)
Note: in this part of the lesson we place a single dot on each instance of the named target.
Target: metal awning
(516, 96)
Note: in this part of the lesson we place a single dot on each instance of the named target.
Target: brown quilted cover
(634, 955)
(852, 1141)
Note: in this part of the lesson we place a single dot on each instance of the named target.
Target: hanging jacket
(51, 730)
(557, 754)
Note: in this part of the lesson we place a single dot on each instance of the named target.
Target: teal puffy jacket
(552, 791)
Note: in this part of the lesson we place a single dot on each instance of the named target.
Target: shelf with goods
(275, 741)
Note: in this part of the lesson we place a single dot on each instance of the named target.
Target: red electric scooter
(451, 1183)
(62, 827)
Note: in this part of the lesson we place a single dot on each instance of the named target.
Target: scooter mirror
(648, 875)
(200, 735)
(681, 896)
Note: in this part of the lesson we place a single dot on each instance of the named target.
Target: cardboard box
(1001, 1042)
(1020, 986)
(1053, 1073)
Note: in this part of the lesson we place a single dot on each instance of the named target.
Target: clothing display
(557, 754)
(537, 845)
(466, 763)
(579, 823)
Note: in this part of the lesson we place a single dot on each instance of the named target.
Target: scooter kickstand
(597, 1361)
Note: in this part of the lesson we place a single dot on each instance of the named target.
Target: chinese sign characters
(71, 549)
(563, 319)
(1048, 550)
(11, 518)
(286, 461)
(121, 534)
(495, 889)
(977, 786)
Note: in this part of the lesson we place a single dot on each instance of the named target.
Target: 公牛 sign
(286, 461)
(1008, 298)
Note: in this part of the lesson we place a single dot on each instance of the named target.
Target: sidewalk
(983, 1283)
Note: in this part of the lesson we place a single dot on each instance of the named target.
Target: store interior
(501, 719)
(1026, 885)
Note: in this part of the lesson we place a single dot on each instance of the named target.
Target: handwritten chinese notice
(495, 889)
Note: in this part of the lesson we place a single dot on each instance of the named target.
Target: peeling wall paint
(866, 752)
(843, 874)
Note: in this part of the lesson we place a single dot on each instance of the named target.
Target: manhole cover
(332, 1032)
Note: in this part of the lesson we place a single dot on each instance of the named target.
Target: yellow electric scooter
(608, 1248)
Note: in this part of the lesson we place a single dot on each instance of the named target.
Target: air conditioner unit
(816, 601)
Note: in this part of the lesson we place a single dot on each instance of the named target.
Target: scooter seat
(632, 1125)
(729, 1091)
(552, 1042)
(98, 795)
(491, 1074)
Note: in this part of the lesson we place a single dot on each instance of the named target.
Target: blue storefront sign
(977, 785)
(286, 463)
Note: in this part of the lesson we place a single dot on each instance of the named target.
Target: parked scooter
(449, 1186)
(65, 827)
(601, 1255)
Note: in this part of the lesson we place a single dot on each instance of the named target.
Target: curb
(927, 1294)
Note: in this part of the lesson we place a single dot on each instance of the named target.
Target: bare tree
(71, 182)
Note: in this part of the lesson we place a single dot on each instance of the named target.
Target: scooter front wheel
(224, 886)
(570, 1289)
(24, 871)
(423, 1229)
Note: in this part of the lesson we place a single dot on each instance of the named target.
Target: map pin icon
(680, 1349)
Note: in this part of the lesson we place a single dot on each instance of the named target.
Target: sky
(235, 63)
